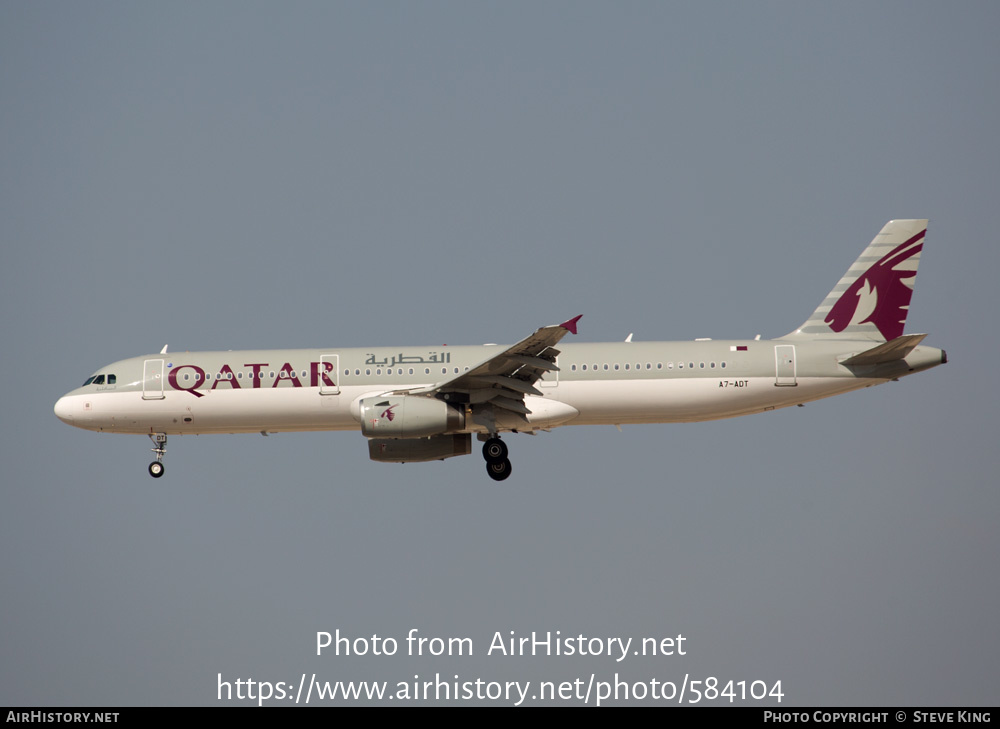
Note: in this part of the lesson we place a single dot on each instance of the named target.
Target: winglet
(570, 325)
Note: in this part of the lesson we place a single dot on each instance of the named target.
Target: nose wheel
(156, 468)
(497, 463)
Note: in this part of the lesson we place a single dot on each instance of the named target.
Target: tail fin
(872, 299)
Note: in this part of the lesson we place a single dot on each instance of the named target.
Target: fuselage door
(550, 379)
(784, 360)
(152, 379)
(329, 365)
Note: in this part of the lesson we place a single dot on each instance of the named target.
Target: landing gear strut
(156, 468)
(497, 463)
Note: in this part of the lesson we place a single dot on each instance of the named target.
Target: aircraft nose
(64, 409)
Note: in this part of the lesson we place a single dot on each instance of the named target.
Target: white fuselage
(613, 383)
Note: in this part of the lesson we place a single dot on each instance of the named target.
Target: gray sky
(241, 175)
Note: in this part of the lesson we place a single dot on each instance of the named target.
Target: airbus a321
(425, 403)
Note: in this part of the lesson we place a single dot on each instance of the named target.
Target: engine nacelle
(407, 416)
(412, 450)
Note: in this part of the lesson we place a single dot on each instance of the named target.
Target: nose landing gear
(497, 463)
(156, 468)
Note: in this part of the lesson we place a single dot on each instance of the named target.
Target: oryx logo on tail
(871, 300)
(881, 295)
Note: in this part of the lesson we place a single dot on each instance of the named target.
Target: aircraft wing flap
(890, 351)
(509, 383)
(507, 403)
(546, 365)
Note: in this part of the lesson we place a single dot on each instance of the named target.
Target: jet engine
(407, 416)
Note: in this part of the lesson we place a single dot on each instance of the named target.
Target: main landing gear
(156, 468)
(497, 463)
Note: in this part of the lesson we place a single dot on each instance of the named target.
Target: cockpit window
(100, 380)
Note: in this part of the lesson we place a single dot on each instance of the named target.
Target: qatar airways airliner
(423, 403)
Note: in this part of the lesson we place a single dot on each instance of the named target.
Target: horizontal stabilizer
(889, 351)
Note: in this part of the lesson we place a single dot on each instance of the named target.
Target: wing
(496, 386)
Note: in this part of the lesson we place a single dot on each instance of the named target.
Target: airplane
(424, 403)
